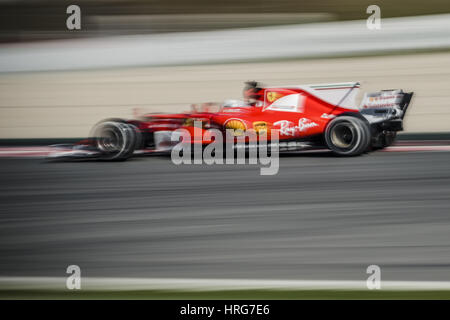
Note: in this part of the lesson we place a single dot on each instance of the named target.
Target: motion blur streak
(297, 41)
(320, 218)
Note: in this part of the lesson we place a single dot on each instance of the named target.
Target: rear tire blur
(348, 136)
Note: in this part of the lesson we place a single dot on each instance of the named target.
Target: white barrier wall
(300, 41)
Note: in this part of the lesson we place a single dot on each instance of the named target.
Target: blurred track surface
(320, 218)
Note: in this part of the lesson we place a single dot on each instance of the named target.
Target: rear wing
(386, 103)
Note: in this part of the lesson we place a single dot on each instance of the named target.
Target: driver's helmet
(253, 93)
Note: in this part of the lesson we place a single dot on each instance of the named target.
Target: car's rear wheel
(115, 140)
(347, 136)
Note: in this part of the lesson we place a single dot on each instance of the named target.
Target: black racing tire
(348, 136)
(116, 140)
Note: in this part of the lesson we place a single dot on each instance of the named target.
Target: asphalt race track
(319, 218)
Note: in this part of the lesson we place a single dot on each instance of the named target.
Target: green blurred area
(40, 19)
(232, 294)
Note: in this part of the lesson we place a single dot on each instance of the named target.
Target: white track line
(127, 284)
(41, 152)
(416, 148)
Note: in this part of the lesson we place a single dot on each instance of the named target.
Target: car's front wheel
(115, 140)
(347, 136)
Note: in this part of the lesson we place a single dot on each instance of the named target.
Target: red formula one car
(304, 116)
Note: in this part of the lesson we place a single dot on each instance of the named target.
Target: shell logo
(237, 125)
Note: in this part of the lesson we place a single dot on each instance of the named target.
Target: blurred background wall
(24, 20)
(66, 103)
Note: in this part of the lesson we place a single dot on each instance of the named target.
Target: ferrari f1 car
(304, 116)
